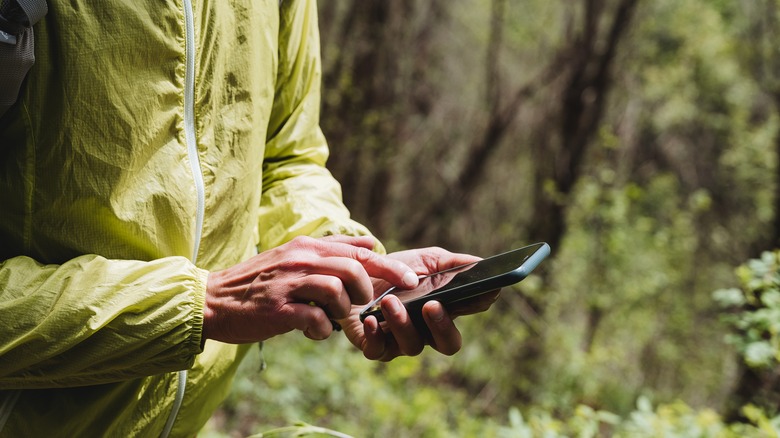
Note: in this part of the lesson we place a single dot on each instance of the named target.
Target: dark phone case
(414, 308)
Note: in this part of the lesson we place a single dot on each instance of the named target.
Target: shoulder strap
(34, 9)
(17, 54)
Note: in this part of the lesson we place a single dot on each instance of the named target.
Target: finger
(474, 305)
(311, 320)
(374, 340)
(353, 280)
(325, 291)
(400, 324)
(367, 242)
(378, 344)
(446, 338)
(394, 271)
(432, 259)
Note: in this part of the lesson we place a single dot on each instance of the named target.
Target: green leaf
(732, 297)
(758, 354)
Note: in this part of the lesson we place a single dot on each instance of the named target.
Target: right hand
(299, 285)
(398, 336)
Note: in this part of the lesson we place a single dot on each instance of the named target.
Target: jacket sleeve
(92, 320)
(300, 196)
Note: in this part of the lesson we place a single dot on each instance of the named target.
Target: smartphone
(465, 281)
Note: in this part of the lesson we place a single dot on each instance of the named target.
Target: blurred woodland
(638, 138)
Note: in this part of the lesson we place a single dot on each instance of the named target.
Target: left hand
(398, 336)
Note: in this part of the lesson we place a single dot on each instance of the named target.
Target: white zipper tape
(192, 152)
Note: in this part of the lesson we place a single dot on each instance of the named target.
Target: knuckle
(289, 265)
(364, 255)
(286, 313)
(302, 242)
(318, 319)
(318, 325)
(331, 286)
(354, 268)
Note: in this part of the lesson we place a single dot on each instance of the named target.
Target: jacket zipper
(192, 153)
(189, 124)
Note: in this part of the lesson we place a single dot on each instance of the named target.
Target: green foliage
(618, 333)
(333, 386)
(422, 397)
(675, 420)
(299, 430)
(756, 310)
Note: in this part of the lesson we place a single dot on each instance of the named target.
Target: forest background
(639, 138)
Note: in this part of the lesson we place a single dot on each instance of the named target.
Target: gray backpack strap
(34, 9)
(17, 54)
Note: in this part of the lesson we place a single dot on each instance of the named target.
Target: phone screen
(470, 279)
(439, 281)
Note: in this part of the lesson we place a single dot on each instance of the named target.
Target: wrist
(208, 308)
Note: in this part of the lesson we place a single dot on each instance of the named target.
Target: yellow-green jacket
(154, 140)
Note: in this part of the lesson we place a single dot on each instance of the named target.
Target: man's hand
(398, 336)
(299, 285)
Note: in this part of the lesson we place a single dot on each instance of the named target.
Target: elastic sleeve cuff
(198, 295)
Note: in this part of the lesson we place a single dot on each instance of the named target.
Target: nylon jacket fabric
(100, 302)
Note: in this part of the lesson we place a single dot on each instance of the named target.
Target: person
(165, 204)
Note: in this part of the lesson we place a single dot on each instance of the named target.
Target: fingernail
(410, 279)
(437, 314)
(394, 304)
(371, 325)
